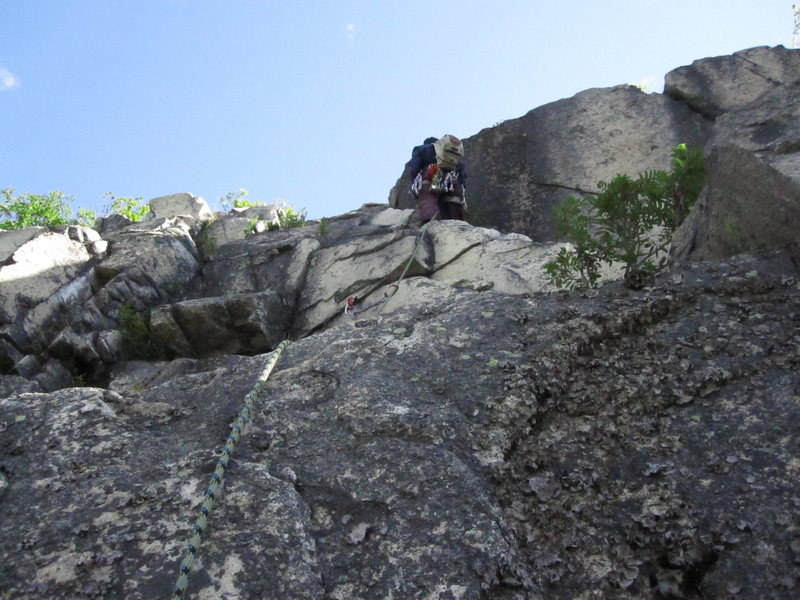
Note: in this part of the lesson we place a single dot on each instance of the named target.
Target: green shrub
(30, 210)
(36, 210)
(618, 224)
(252, 226)
(136, 339)
(205, 240)
(86, 217)
(289, 216)
(242, 203)
(237, 200)
(133, 209)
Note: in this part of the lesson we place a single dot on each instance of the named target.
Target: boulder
(162, 250)
(753, 163)
(768, 129)
(267, 213)
(715, 86)
(747, 206)
(483, 259)
(223, 230)
(13, 239)
(270, 261)
(36, 269)
(240, 324)
(357, 268)
(180, 205)
(393, 218)
(237, 225)
(114, 222)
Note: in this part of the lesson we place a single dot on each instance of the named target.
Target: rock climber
(438, 173)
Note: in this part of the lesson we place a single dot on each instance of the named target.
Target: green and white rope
(216, 477)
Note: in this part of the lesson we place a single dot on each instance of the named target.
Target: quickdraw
(350, 303)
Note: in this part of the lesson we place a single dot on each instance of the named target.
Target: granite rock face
(162, 288)
(621, 444)
(461, 431)
(715, 86)
(520, 169)
(747, 205)
(752, 200)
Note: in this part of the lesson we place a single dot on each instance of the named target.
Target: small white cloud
(8, 80)
(351, 31)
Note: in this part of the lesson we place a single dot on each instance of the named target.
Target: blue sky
(316, 103)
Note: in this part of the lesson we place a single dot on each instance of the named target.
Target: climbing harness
(350, 303)
(216, 477)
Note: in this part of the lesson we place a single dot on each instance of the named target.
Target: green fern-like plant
(618, 224)
(133, 209)
(578, 267)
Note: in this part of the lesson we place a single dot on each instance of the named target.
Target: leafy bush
(253, 226)
(30, 210)
(135, 330)
(206, 240)
(289, 216)
(133, 209)
(36, 210)
(86, 217)
(242, 203)
(237, 200)
(630, 221)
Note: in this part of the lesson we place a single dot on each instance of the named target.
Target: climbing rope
(216, 477)
(349, 305)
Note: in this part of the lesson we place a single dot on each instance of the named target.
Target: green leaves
(289, 216)
(618, 224)
(54, 209)
(135, 332)
(687, 179)
(31, 210)
(133, 209)
(237, 199)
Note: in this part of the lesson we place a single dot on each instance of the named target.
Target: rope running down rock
(394, 287)
(216, 477)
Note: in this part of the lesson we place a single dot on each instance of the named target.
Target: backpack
(449, 151)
